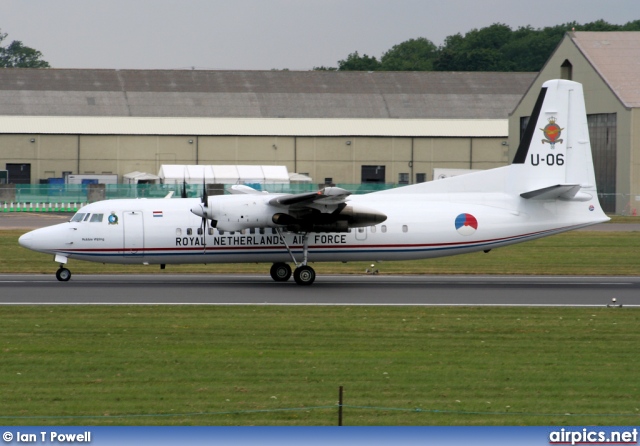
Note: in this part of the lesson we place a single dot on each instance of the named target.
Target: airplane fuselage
(163, 231)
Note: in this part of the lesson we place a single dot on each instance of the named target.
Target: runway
(166, 289)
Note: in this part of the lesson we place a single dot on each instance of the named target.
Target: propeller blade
(183, 193)
(205, 228)
(205, 197)
(205, 204)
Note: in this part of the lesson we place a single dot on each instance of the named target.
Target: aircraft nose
(26, 240)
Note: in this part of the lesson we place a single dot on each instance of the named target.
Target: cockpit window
(96, 218)
(78, 217)
(86, 218)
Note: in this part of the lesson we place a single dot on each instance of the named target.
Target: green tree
(631, 26)
(17, 55)
(478, 50)
(494, 48)
(355, 62)
(528, 50)
(411, 55)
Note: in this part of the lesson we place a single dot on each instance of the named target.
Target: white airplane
(549, 188)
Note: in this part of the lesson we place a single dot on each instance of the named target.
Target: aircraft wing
(323, 211)
(327, 196)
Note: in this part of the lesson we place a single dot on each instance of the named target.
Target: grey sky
(265, 34)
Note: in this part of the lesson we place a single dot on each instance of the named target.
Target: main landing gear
(280, 272)
(303, 274)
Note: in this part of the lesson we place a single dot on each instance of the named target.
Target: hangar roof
(616, 57)
(260, 94)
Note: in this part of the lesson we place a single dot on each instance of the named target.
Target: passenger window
(178, 231)
(405, 228)
(252, 230)
(96, 218)
(360, 230)
(189, 231)
(78, 217)
(261, 230)
(210, 231)
(383, 228)
(200, 231)
(221, 231)
(373, 229)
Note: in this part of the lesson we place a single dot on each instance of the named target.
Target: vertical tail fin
(554, 157)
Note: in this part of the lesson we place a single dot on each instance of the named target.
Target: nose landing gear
(63, 274)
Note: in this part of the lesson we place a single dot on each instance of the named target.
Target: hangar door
(133, 233)
(603, 129)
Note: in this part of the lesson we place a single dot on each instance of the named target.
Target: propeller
(205, 220)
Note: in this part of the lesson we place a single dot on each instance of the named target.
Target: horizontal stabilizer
(559, 191)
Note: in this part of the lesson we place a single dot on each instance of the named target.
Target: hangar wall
(338, 158)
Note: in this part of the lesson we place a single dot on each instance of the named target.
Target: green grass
(254, 365)
(591, 253)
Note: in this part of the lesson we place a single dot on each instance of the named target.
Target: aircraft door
(133, 233)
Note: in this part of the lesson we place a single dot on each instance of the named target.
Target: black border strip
(523, 148)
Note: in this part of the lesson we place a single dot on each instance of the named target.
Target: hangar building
(607, 64)
(337, 127)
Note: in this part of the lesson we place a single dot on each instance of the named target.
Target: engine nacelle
(339, 221)
(238, 212)
(360, 216)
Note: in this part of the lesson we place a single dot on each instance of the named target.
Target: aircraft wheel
(63, 274)
(304, 275)
(280, 272)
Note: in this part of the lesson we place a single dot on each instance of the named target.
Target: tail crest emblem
(552, 132)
